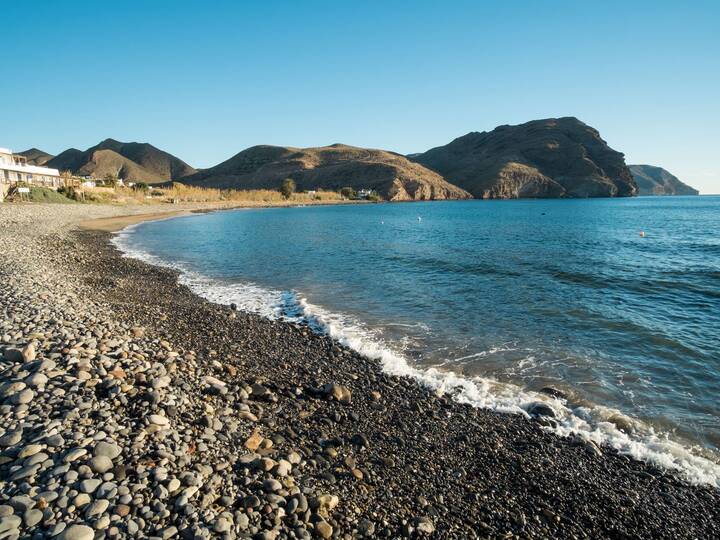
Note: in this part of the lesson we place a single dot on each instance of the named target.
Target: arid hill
(137, 162)
(657, 181)
(391, 175)
(556, 157)
(36, 157)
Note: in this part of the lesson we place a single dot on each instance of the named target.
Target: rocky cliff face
(391, 175)
(556, 157)
(657, 181)
(137, 162)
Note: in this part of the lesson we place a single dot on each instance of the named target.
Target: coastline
(116, 223)
(395, 460)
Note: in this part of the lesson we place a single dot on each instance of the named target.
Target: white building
(14, 169)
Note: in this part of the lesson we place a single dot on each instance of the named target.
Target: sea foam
(590, 422)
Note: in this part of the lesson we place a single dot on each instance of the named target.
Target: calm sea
(495, 300)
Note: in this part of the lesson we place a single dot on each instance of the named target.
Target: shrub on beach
(348, 193)
(287, 188)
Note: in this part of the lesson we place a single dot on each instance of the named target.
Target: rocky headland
(653, 180)
(131, 408)
(551, 158)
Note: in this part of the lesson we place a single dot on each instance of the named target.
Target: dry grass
(180, 193)
(183, 193)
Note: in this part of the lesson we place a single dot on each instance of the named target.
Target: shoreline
(117, 223)
(592, 425)
(373, 455)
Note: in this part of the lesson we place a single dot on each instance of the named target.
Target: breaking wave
(602, 425)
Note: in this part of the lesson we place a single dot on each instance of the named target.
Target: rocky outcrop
(391, 175)
(136, 162)
(657, 181)
(556, 157)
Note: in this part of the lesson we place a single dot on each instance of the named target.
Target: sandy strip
(117, 223)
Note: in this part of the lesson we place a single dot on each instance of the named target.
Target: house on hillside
(15, 169)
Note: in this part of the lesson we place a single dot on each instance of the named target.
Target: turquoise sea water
(494, 300)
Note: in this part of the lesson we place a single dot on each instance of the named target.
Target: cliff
(555, 157)
(657, 181)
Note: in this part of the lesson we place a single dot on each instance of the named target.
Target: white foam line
(597, 423)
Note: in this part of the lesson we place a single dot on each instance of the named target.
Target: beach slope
(133, 407)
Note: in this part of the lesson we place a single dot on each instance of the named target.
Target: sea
(614, 304)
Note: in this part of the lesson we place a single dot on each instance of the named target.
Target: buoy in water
(642, 234)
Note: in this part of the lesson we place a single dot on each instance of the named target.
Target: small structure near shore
(14, 169)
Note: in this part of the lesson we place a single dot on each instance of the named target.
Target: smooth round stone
(77, 532)
(101, 464)
(74, 454)
(221, 525)
(106, 449)
(122, 510)
(81, 500)
(90, 485)
(97, 508)
(21, 503)
(169, 532)
(32, 517)
(102, 523)
(37, 458)
(29, 450)
(9, 523)
(11, 439)
(55, 440)
(37, 379)
(23, 397)
(173, 485)
(57, 529)
(158, 420)
(48, 496)
(324, 529)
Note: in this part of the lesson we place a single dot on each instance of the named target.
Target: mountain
(555, 157)
(36, 157)
(657, 181)
(391, 175)
(137, 162)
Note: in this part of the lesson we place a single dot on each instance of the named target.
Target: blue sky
(204, 80)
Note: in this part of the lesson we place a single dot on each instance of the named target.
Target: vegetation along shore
(133, 408)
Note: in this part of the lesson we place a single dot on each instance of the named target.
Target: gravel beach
(129, 407)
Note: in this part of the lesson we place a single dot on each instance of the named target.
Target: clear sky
(205, 79)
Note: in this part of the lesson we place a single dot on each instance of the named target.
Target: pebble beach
(132, 408)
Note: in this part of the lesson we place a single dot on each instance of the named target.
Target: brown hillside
(36, 157)
(657, 181)
(556, 157)
(138, 162)
(393, 176)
